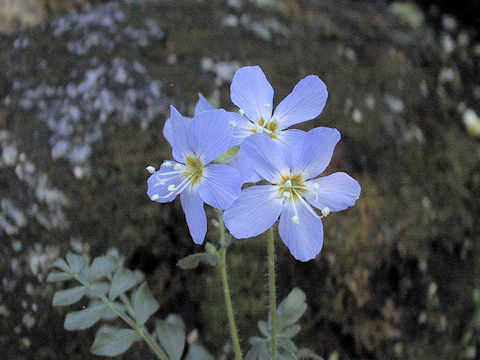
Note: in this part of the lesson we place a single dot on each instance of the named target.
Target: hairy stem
(142, 331)
(226, 292)
(272, 293)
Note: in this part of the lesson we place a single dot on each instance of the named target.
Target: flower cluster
(261, 148)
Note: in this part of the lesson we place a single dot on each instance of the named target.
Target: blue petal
(305, 239)
(202, 105)
(159, 181)
(167, 129)
(220, 186)
(195, 214)
(256, 210)
(337, 191)
(242, 129)
(251, 92)
(244, 166)
(313, 155)
(290, 139)
(269, 158)
(179, 135)
(210, 135)
(305, 102)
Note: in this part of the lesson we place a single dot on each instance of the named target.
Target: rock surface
(82, 105)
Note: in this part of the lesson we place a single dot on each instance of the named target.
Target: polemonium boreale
(253, 94)
(293, 191)
(195, 145)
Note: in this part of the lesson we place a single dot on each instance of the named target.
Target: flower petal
(168, 131)
(202, 105)
(337, 191)
(251, 92)
(268, 157)
(244, 166)
(242, 129)
(305, 102)
(256, 210)
(159, 181)
(192, 205)
(220, 186)
(179, 135)
(290, 139)
(313, 155)
(209, 134)
(305, 239)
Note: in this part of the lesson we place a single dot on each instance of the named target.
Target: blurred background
(85, 87)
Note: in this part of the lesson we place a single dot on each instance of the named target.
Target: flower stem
(273, 295)
(226, 292)
(142, 331)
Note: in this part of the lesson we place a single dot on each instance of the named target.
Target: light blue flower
(293, 191)
(196, 143)
(253, 94)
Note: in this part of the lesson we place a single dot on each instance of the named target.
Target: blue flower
(196, 143)
(293, 191)
(202, 105)
(253, 94)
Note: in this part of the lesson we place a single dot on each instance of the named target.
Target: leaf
(264, 328)
(70, 296)
(307, 354)
(83, 319)
(192, 261)
(110, 341)
(109, 314)
(62, 265)
(228, 155)
(286, 346)
(291, 308)
(101, 287)
(76, 262)
(259, 349)
(58, 276)
(197, 352)
(123, 280)
(144, 304)
(289, 331)
(171, 334)
(102, 266)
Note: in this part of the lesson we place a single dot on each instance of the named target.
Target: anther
(241, 112)
(316, 186)
(232, 124)
(155, 197)
(288, 183)
(286, 194)
(267, 105)
(177, 167)
(295, 220)
(150, 169)
(325, 211)
(167, 164)
(171, 187)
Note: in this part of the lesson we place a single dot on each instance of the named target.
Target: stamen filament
(307, 205)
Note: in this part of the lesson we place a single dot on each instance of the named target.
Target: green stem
(142, 331)
(273, 296)
(226, 292)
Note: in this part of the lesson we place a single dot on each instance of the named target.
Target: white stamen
(288, 183)
(241, 112)
(295, 220)
(177, 167)
(267, 105)
(150, 169)
(309, 208)
(316, 186)
(325, 211)
(155, 197)
(286, 194)
(171, 187)
(167, 164)
(232, 124)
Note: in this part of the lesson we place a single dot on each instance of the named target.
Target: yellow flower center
(270, 128)
(194, 169)
(292, 186)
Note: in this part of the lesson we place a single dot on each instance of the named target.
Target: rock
(82, 105)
